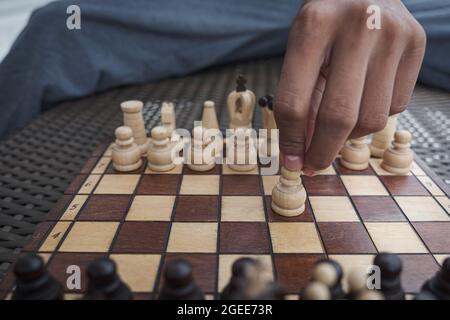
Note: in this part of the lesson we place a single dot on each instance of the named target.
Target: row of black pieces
(33, 282)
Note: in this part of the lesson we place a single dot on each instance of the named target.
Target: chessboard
(143, 219)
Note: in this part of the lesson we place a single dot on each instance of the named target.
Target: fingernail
(293, 163)
(309, 172)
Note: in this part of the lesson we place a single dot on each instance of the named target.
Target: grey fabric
(136, 41)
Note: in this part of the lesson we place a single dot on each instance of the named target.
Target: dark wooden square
(324, 185)
(76, 183)
(436, 235)
(275, 217)
(243, 185)
(38, 236)
(100, 150)
(345, 238)
(140, 170)
(197, 208)
(141, 237)
(89, 165)
(105, 208)
(344, 171)
(294, 270)
(204, 269)
(377, 208)
(61, 261)
(244, 237)
(417, 268)
(159, 184)
(404, 185)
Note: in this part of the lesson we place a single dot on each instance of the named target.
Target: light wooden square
(193, 237)
(89, 237)
(226, 262)
(117, 184)
(364, 186)
(328, 171)
(178, 169)
(55, 236)
(441, 257)
(227, 170)
(395, 237)
(353, 263)
(333, 209)
(74, 207)
(417, 170)
(422, 209)
(200, 184)
(242, 208)
(138, 270)
(431, 186)
(269, 182)
(89, 184)
(445, 203)
(375, 164)
(151, 208)
(295, 237)
(101, 165)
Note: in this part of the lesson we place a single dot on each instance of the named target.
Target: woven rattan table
(38, 162)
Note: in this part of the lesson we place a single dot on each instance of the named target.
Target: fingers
(339, 108)
(305, 55)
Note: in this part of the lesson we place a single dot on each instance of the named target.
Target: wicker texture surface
(39, 161)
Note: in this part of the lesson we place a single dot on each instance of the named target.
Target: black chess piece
(266, 101)
(33, 282)
(438, 287)
(104, 283)
(240, 83)
(390, 267)
(336, 290)
(179, 283)
(235, 289)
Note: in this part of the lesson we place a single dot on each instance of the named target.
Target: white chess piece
(134, 118)
(209, 116)
(398, 158)
(242, 152)
(355, 154)
(289, 196)
(126, 155)
(196, 159)
(168, 119)
(381, 140)
(241, 105)
(160, 151)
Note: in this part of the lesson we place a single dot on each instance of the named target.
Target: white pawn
(316, 290)
(159, 153)
(134, 118)
(399, 157)
(242, 152)
(196, 159)
(126, 155)
(289, 196)
(209, 116)
(355, 154)
(381, 140)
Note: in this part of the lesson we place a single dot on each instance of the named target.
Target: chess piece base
(354, 166)
(201, 167)
(395, 170)
(127, 168)
(376, 152)
(242, 167)
(288, 212)
(144, 147)
(160, 167)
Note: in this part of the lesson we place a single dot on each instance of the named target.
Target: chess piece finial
(160, 151)
(398, 158)
(134, 118)
(242, 152)
(240, 83)
(198, 159)
(355, 154)
(104, 283)
(241, 105)
(209, 116)
(126, 155)
(289, 196)
(33, 282)
(390, 267)
(382, 140)
(315, 290)
(179, 283)
(268, 122)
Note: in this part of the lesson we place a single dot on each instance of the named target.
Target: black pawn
(235, 289)
(104, 283)
(179, 283)
(33, 282)
(266, 101)
(336, 291)
(240, 83)
(438, 287)
(390, 267)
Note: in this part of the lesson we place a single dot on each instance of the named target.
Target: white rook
(134, 118)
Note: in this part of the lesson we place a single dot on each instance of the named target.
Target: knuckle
(372, 125)
(398, 109)
(419, 37)
(342, 116)
(287, 112)
(311, 16)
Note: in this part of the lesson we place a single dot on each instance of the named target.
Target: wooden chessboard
(143, 219)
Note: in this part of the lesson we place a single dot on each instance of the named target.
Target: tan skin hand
(342, 80)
